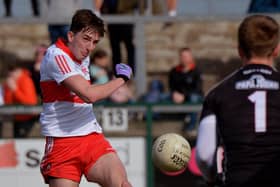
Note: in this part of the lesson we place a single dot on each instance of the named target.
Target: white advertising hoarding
(20, 159)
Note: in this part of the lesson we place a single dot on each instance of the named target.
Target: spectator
(18, 89)
(155, 93)
(264, 6)
(164, 6)
(185, 85)
(172, 6)
(8, 11)
(99, 68)
(169, 8)
(35, 68)
(1, 103)
(119, 32)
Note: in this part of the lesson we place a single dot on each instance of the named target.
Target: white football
(171, 153)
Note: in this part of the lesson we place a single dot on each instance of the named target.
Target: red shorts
(70, 157)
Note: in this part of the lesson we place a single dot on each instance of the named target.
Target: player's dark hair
(85, 19)
(258, 35)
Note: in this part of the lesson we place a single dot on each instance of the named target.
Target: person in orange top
(19, 89)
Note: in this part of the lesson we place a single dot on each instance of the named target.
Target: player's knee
(126, 184)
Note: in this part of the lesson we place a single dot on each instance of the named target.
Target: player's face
(83, 43)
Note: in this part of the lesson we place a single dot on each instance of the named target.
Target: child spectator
(99, 68)
(19, 89)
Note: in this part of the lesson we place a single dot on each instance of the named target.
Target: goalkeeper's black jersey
(247, 108)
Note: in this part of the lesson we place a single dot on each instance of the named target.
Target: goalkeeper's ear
(275, 52)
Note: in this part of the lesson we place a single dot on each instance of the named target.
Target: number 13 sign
(115, 119)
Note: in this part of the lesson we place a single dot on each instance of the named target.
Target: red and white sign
(20, 159)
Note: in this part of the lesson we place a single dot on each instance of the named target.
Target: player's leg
(108, 171)
(61, 164)
(57, 182)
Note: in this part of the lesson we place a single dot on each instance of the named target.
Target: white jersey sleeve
(60, 66)
(206, 146)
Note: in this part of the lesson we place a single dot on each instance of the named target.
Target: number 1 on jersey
(259, 100)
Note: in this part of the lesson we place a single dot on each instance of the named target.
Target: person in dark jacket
(185, 84)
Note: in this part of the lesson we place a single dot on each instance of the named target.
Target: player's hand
(123, 71)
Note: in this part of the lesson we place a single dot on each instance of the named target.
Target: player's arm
(91, 93)
(206, 147)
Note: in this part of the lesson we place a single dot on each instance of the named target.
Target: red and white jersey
(64, 113)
